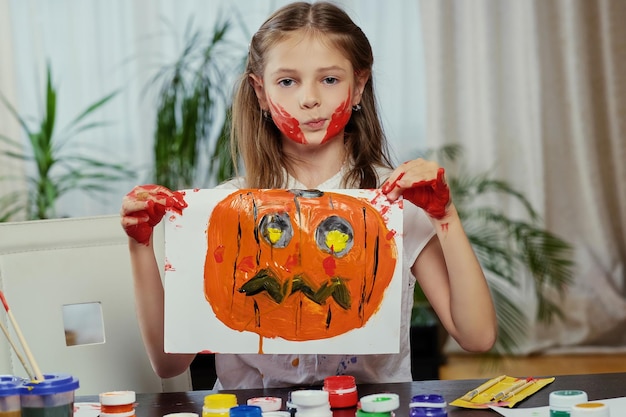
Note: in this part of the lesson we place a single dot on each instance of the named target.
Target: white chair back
(83, 264)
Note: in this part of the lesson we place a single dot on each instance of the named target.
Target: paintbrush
(18, 332)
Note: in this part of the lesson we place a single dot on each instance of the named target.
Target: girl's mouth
(315, 124)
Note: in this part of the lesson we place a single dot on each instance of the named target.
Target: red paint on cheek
(287, 124)
(339, 120)
(329, 266)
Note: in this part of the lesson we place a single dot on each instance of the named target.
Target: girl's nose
(310, 98)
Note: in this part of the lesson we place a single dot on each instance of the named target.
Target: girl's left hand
(421, 182)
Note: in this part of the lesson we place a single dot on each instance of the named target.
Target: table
(597, 386)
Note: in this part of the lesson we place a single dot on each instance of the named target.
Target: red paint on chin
(339, 120)
(287, 124)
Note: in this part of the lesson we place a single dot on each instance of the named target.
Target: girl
(304, 116)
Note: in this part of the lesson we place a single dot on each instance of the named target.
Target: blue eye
(330, 80)
(286, 83)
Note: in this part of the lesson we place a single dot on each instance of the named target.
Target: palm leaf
(58, 170)
(509, 249)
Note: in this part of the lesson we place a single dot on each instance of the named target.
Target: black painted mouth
(267, 281)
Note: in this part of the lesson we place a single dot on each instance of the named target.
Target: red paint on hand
(433, 196)
(161, 201)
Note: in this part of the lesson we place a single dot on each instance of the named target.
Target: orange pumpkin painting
(297, 264)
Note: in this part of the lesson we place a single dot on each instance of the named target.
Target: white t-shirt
(241, 371)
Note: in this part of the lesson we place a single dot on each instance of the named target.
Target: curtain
(535, 91)
(10, 168)
(97, 47)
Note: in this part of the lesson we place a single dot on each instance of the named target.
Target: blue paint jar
(428, 405)
(246, 411)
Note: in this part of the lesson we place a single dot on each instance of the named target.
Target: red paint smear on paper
(169, 267)
(218, 254)
(329, 265)
(391, 234)
(246, 264)
(292, 261)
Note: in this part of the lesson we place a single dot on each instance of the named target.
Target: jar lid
(122, 414)
(245, 411)
(361, 413)
(220, 402)
(9, 388)
(340, 384)
(266, 403)
(427, 401)
(376, 403)
(309, 397)
(52, 384)
(276, 414)
(593, 409)
(567, 398)
(117, 397)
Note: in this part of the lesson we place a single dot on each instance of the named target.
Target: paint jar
(10, 396)
(246, 411)
(117, 404)
(311, 403)
(561, 402)
(181, 415)
(428, 405)
(218, 405)
(342, 391)
(266, 403)
(594, 409)
(52, 397)
(374, 404)
(361, 413)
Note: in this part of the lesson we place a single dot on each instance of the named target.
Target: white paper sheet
(190, 322)
(617, 406)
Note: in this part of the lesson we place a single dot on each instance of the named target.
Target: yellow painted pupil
(336, 240)
(274, 234)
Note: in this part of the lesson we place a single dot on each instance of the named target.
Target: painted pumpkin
(297, 264)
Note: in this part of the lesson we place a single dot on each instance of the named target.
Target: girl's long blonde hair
(258, 141)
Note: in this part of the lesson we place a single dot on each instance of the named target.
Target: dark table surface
(597, 386)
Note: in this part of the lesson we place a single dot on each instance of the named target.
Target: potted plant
(507, 249)
(193, 105)
(58, 167)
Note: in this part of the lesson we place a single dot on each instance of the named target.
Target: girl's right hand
(144, 207)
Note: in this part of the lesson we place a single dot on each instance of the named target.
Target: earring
(266, 114)
(356, 107)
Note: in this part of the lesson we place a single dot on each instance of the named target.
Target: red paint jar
(342, 391)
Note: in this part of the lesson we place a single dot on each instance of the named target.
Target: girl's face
(309, 87)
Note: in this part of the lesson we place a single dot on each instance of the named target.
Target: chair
(82, 264)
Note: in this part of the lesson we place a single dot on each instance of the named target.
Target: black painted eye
(276, 229)
(335, 235)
